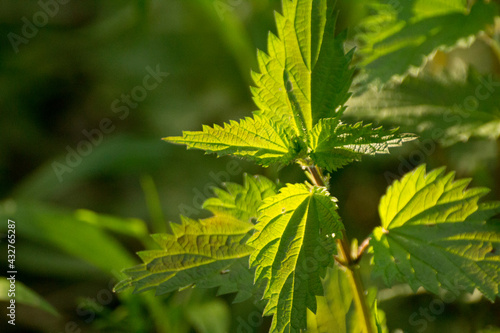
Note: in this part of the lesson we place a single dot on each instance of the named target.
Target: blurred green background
(81, 216)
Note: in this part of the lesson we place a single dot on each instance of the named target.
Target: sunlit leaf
(294, 244)
(207, 253)
(334, 144)
(305, 75)
(436, 234)
(257, 138)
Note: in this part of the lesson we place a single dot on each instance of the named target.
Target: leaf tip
(172, 139)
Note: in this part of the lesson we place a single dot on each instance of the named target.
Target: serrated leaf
(435, 234)
(206, 253)
(337, 310)
(256, 138)
(294, 244)
(334, 144)
(447, 109)
(305, 76)
(301, 91)
(241, 202)
(398, 37)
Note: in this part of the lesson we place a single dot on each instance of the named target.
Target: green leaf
(207, 253)
(210, 317)
(294, 243)
(334, 144)
(305, 76)
(241, 202)
(256, 138)
(447, 109)
(435, 234)
(25, 295)
(65, 231)
(399, 37)
(301, 90)
(127, 226)
(337, 310)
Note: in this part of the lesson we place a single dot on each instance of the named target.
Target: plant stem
(362, 248)
(358, 290)
(350, 263)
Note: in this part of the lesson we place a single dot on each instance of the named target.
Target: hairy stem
(350, 263)
(362, 248)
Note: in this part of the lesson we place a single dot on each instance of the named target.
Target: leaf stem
(346, 259)
(357, 287)
(362, 248)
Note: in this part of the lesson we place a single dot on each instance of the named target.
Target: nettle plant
(288, 245)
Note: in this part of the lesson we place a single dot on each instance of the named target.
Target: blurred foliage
(398, 37)
(24, 295)
(76, 231)
(341, 314)
(445, 109)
